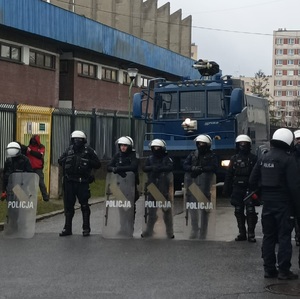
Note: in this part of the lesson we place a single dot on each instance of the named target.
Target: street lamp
(132, 72)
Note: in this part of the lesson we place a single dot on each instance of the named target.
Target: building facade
(142, 19)
(54, 57)
(286, 73)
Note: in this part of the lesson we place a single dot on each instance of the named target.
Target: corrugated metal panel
(7, 121)
(44, 19)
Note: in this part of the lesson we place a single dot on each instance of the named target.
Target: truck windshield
(193, 104)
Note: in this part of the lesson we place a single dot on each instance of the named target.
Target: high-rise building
(286, 73)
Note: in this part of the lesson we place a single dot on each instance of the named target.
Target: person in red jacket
(35, 153)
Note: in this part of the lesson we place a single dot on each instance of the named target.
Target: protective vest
(208, 161)
(77, 163)
(242, 167)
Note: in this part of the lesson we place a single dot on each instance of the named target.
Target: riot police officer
(157, 166)
(15, 162)
(236, 185)
(201, 162)
(77, 161)
(297, 156)
(125, 160)
(276, 173)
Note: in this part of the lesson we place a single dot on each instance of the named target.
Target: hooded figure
(35, 154)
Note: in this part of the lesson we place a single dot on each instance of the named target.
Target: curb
(54, 213)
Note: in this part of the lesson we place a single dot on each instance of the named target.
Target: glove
(156, 168)
(123, 174)
(3, 195)
(197, 169)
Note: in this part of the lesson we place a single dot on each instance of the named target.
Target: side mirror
(236, 104)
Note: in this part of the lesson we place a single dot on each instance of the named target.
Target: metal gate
(35, 120)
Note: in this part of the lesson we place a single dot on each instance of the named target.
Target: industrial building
(54, 57)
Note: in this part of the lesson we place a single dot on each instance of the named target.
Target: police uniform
(297, 156)
(276, 174)
(15, 162)
(202, 162)
(236, 185)
(158, 166)
(122, 162)
(77, 161)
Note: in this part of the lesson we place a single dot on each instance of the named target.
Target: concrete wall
(141, 19)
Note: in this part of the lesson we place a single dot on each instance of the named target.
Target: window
(290, 73)
(298, 72)
(86, 69)
(279, 41)
(291, 52)
(278, 83)
(291, 41)
(278, 113)
(10, 52)
(41, 59)
(290, 62)
(278, 93)
(298, 93)
(279, 52)
(109, 74)
(278, 61)
(289, 93)
(289, 83)
(278, 72)
(145, 81)
(127, 79)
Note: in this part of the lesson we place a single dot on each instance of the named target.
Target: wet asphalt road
(48, 266)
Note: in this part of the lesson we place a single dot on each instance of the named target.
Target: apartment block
(286, 73)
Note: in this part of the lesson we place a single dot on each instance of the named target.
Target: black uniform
(158, 166)
(204, 163)
(297, 229)
(15, 164)
(77, 163)
(236, 185)
(121, 163)
(277, 175)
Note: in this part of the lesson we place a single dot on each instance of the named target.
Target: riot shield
(200, 206)
(159, 199)
(119, 206)
(22, 190)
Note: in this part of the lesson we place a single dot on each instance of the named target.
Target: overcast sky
(237, 34)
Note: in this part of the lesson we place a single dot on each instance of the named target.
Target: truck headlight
(225, 163)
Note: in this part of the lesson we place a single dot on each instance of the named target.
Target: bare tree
(259, 85)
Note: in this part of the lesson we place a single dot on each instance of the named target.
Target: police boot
(67, 230)
(251, 222)
(241, 226)
(86, 212)
(150, 225)
(168, 219)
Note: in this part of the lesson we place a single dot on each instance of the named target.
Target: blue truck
(215, 105)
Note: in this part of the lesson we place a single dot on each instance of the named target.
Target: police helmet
(203, 138)
(282, 135)
(243, 138)
(297, 134)
(125, 140)
(13, 149)
(158, 142)
(78, 134)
